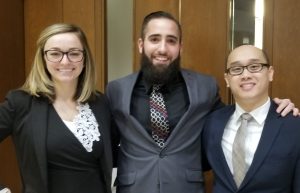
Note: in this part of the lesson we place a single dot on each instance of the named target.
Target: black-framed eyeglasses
(57, 55)
(253, 68)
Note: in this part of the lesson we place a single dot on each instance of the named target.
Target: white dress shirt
(254, 130)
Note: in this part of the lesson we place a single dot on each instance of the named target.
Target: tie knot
(246, 116)
(156, 87)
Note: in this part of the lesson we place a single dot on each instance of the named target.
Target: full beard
(159, 74)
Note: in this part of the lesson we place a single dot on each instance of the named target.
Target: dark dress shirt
(175, 96)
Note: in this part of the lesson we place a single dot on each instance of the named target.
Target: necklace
(66, 110)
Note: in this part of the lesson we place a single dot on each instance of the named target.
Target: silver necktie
(238, 151)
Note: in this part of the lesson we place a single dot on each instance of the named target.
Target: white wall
(119, 41)
(119, 38)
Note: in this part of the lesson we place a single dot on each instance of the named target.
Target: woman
(59, 123)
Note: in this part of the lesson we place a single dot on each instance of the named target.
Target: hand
(285, 106)
(5, 190)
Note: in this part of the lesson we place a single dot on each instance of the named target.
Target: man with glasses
(248, 145)
(252, 67)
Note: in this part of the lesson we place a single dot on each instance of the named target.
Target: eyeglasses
(253, 68)
(57, 55)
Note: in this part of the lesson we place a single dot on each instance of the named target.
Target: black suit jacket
(276, 164)
(24, 117)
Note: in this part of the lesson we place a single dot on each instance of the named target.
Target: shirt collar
(259, 114)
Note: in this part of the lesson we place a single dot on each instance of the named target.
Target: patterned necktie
(159, 117)
(238, 151)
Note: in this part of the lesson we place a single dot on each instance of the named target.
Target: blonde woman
(58, 121)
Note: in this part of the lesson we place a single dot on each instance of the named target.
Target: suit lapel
(39, 129)
(127, 95)
(270, 132)
(128, 90)
(220, 125)
(191, 85)
(191, 89)
(106, 163)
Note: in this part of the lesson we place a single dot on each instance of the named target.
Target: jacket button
(161, 155)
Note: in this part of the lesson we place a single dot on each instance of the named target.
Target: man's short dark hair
(157, 15)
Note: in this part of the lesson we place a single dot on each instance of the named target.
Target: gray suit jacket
(142, 165)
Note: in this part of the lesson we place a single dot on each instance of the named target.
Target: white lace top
(85, 127)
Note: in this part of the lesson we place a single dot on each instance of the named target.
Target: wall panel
(205, 42)
(285, 50)
(11, 76)
(38, 15)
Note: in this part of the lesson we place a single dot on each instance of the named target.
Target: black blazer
(24, 117)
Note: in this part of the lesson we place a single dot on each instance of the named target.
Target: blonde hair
(39, 82)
